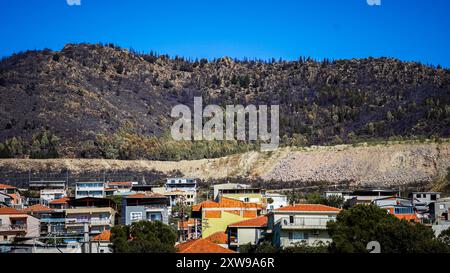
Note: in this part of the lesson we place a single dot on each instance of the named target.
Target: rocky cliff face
(376, 166)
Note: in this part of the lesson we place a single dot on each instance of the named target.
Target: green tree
(358, 226)
(143, 237)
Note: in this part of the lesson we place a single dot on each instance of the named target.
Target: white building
(227, 186)
(186, 185)
(422, 200)
(300, 223)
(275, 201)
(48, 195)
(89, 189)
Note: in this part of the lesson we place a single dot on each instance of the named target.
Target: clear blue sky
(416, 30)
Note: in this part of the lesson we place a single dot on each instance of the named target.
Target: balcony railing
(305, 222)
(88, 221)
(21, 227)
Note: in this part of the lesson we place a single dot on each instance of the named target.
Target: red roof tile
(218, 238)
(104, 236)
(37, 208)
(255, 222)
(63, 200)
(146, 195)
(202, 246)
(309, 208)
(4, 187)
(10, 211)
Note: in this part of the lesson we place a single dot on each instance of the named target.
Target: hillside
(379, 165)
(95, 101)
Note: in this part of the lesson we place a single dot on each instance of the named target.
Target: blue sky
(416, 30)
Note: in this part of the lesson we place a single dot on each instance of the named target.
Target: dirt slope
(379, 165)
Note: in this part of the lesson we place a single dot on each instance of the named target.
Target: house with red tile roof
(216, 216)
(250, 231)
(101, 243)
(299, 223)
(17, 223)
(202, 246)
(13, 192)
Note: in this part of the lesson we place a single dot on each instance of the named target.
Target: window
(1, 222)
(291, 219)
(296, 235)
(135, 216)
(433, 197)
(407, 210)
(418, 195)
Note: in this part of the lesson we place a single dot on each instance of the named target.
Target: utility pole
(86, 238)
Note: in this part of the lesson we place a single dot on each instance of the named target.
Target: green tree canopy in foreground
(143, 237)
(357, 226)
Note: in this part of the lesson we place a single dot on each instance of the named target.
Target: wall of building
(213, 225)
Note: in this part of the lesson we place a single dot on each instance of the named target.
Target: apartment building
(98, 219)
(145, 207)
(16, 223)
(300, 223)
(89, 189)
(13, 192)
(187, 185)
(401, 208)
(249, 231)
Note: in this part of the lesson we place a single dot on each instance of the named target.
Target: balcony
(304, 222)
(92, 222)
(17, 227)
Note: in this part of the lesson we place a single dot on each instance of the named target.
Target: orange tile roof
(10, 211)
(37, 208)
(309, 208)
(218, 238)
(225, 203)
(4, 187)
(60, 201)
(255, 222)
(120, 184)
(186, 224)
(104, 236)
(407, 217)
(146, 195)
(202, 246)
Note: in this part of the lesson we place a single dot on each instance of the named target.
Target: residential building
(275, 201)
(16, 223)
(188, 185)
(441, 211)
(52, 222)
(300, 223)
(216, 216)
(6, 200)
(422, 200)
(248, 195)
(189, 229)
(47, 195)
(219, 187)
(401, 208)
(98, 219)
(145, 206)
(101, 243)
(249, 231)
(59, 204)
(120, 187)
(13, 192)
(47, 184)
(346, 195)
(89, 189)
(187, 197)
(366, 196)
